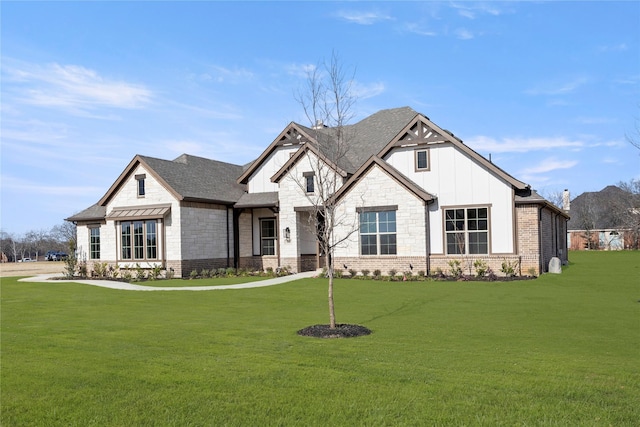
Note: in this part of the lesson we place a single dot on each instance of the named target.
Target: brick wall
(528, 240)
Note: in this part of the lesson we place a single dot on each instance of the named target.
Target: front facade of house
(408, 196)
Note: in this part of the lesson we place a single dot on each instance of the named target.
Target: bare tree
(587, 217)
(65, 233)
(327, 102)
(627, 211)
(634, 138)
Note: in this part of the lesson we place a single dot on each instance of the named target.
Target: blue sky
(549, 89)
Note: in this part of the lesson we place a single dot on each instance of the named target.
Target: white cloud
(620, 47)
(71, 87)
(17, 185)
(416, 28)
(548, 165)
(364, 91)
(520, 145)
(472, 9)
(558, 88)
(222, 74)
(363, 17)
(464, 34)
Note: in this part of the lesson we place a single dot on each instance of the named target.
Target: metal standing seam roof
(142, 212)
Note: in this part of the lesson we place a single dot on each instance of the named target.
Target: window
(467, 231)
(378, 232)
(139, 239)
(422, 160)
(268, 236)
(94, 243)
(309, 182)
(140, 181)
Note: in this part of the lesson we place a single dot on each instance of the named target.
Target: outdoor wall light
(287, 234)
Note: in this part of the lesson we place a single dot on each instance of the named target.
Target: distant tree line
(35, 244)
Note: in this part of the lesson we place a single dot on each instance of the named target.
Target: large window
(378, 232)
(467, 231)
(267, 236)
(94, 243)
(139, 239)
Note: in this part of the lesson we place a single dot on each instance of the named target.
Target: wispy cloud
(620, 47)
(364, 91)
(558, 88)
(548, 165)
(13, 184)
(363, 17)
(71, 87)
(420, 29)
(520, 145)
(464, 34)
(222, 74)
(471, 10)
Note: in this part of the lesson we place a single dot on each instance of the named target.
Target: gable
(292, 136)
(422, 132)
(377, 163)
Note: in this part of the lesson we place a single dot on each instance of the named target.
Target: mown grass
(213, 281)
(560, 350)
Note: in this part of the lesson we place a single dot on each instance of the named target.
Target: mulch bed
(340, 331)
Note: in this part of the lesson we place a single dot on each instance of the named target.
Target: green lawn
(560, 350)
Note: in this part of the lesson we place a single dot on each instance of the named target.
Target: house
(409, 195)
(608, 219)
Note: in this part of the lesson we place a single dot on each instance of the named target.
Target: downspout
(540, 246)
(236, 237)
(228, 246)
(427, 239)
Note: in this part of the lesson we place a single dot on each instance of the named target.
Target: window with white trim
(467, 230)
(378, 232)
(268, 236)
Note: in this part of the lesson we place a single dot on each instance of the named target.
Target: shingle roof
(365, 138)
(258, 200)
(197, 178)
(93, 212)
(600, 209)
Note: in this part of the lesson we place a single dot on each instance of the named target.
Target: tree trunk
(332, 312)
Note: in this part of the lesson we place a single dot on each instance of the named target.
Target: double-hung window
(378, 232)
(467, 230)
(267, 236)
(94, 243)
(139, 240)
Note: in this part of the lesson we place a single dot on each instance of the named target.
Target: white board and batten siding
(458, 180)
(260, 180)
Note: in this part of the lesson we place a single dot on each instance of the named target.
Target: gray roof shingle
(197, 178)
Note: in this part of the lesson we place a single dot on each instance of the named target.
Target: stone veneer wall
(259, 262)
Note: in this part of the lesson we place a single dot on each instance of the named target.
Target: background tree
(66, 233)
(327, 101)
(627, 211)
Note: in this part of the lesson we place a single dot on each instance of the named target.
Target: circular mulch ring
(340, 331)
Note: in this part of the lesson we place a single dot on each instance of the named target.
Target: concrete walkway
(46, 278)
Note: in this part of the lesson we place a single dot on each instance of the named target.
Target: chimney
(566, 200)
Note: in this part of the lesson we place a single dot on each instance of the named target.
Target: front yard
(558, 350)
